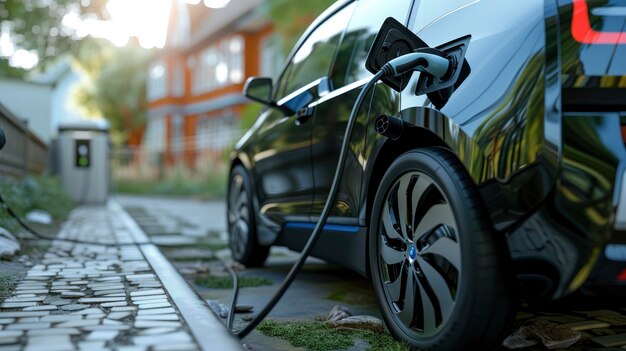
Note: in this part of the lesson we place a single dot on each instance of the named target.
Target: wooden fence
(24, 153)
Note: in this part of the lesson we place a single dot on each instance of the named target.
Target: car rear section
(590, 196)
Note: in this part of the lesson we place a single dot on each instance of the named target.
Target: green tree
(37, 24)
(291, 18)
(113, 86)
(8, 71)
(113, 80)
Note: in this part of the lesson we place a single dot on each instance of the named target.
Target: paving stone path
(92, 297)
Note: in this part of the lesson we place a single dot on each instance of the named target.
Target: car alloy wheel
(238, 216)
(242, 229)
(440, 273)
(419, 253)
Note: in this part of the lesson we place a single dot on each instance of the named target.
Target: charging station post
(83, 160)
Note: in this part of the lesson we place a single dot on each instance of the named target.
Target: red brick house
(195, 83)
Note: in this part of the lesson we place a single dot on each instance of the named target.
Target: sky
(145, 19)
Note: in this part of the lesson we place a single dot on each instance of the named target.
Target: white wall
(62, 111)
(30, 102)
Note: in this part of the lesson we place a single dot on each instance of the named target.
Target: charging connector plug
(428, 60)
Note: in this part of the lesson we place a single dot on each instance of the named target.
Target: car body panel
(494, 121)
(536, 124)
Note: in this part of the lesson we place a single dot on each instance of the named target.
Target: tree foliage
(113, 86)
(291, 18)
(113, 80)
(37, 24)
(8, 71)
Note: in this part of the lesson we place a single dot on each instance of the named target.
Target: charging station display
(82, 151)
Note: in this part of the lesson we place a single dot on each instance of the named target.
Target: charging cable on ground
(40, 236)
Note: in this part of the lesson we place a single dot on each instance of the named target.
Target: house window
(177, 137)
(219, 65)
(217, 133)
(157, 80)
(154, 138)
(178, 88)
(235, 48)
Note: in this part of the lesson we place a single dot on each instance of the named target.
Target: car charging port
(389, 126)
(395, 40)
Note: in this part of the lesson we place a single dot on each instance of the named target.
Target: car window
(314, 57)
(368, 17)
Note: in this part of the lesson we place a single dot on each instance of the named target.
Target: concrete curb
(204, 325)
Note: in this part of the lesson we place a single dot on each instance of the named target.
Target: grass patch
(43, 193)
(34, 250)
(352, 297)
(317, 336)
(201, 244)
(198, 244)
(193, 259)
(6, 284)
(214, 234)
(181, 254)
(214, 282)
(214, 246)
(210, 188)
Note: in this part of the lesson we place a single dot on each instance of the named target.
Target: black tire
(241, 217)
(468, 307)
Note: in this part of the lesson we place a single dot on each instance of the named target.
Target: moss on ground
(214, 246)
(219, 282)
(199, 244)
(352, 297)
(31, 250)
(317, 336)
(192, 259)
(214, 234)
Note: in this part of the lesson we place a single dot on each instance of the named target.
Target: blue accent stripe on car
(330, 227)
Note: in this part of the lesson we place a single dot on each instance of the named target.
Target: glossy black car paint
(536, 124)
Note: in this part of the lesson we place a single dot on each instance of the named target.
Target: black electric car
(511, 180)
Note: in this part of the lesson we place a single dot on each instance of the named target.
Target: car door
(348, 76)
(282, 150)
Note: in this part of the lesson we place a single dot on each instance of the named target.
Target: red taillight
(583, 33)
(621, 277)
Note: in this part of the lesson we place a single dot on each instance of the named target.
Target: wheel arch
(389, 150)
(267, 233)
(239, 158)
(483, 257)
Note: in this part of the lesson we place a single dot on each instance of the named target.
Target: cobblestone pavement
(93, 297)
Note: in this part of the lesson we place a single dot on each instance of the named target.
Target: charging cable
(40, 236)
(431, 61)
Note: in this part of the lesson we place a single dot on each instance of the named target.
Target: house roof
(203, 24)
(52, 73)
